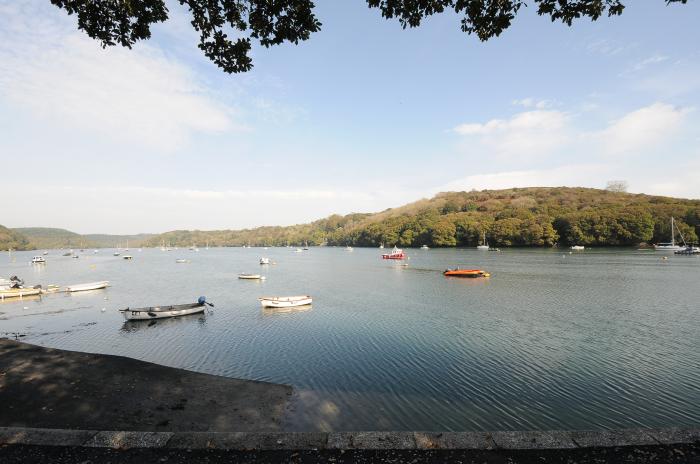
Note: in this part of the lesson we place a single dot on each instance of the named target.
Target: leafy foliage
(514, 217)
(50, 238)
(273, 22)
(12, 240)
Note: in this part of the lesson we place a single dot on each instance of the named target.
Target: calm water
(598, 339)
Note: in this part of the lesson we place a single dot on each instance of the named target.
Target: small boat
(75, 256)
(349, 248)
(88, 286)
(6, 292)
(46, 253)
(116, 253)
(425, 247)
(127, 257)
(381, 246)
(264, 260)
(396, 253)
(160, 312)
(245, 276)
(472, 273)
(578, 247)
(68, 254)
(284, 301)
(688, 250)
(181, 261)
(484, 244)
(38, 260)
(298, 250)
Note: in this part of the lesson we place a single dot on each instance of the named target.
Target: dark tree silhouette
(272, 22)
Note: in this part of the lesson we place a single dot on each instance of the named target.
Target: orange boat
(473, 273)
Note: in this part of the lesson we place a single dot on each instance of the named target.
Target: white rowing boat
(88, 286)
(18, 292)
(284, 301)
(251, 276)
(160, 312)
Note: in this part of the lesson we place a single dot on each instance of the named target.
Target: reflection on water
(280, 311)
(597, 339)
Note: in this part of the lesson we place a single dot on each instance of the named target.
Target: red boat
(396, 253)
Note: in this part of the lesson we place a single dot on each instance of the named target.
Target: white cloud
(642, 128)
(582, 175)
(530, 102)
(654, 59)
(534, 132)
(61, 76)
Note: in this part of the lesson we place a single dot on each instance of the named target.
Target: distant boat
(381, 246)
(264, 260)
(68, 254)
(46, 253)
(127, 257)
(396, 253)
(484, 245)
(284, 301)
(180, 261)
(38, 260)
(471, 273)
(76, 256)
(298, 250)
(424, 247)
(349, 248)
(578, 247)
(671, 246)
(116, 253)
(89, 286)
(160, 312)
(95, 251)
(245, 276)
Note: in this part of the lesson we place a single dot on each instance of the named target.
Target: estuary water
(553, 340)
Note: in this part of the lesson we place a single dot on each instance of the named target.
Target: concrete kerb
(349, 440)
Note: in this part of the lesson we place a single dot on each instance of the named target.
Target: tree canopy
(227, 27)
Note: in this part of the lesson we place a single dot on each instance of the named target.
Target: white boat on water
(264, 260)
(160, 312)
(127, 257)
(578, 247)
(38, 260)
(245, 276)
(182, 261)
(688, 250)
(88, 286)
(284, 301)
(349, 248)
(670, 246)
(424, 247)
(298, 250)
(6, 292)
(484, 245)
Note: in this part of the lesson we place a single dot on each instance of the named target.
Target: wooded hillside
(513, 217)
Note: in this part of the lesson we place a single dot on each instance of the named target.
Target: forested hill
(513, 217)
(12, 240)
(49, 238)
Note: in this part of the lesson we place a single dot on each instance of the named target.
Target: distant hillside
(10, 239)
(538, 216)
(48, 238)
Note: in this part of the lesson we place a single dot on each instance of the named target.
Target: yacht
(670, 246)
(38, 260)
(484, 245)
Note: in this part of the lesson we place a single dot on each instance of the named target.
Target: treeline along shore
(525, 217)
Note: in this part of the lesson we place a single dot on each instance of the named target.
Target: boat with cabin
(264, 260)
(688, 250)
(425, 247)
(284, 301)
(671, 246)
(484, 244)
(38, 260)
(160, 312)
(578, 247)
(396, 253)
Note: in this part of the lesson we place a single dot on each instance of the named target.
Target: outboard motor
(202, 300)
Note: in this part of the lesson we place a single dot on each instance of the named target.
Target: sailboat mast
(673, 236)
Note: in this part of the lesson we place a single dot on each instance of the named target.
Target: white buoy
(104, 309)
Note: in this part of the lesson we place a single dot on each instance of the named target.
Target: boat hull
(285, 302)
(87, 287)
(161, 312)
(466, 273)
(19, 292)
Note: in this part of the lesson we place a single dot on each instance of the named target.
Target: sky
(362, 117)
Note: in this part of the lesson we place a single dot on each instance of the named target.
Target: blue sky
(362, 117)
